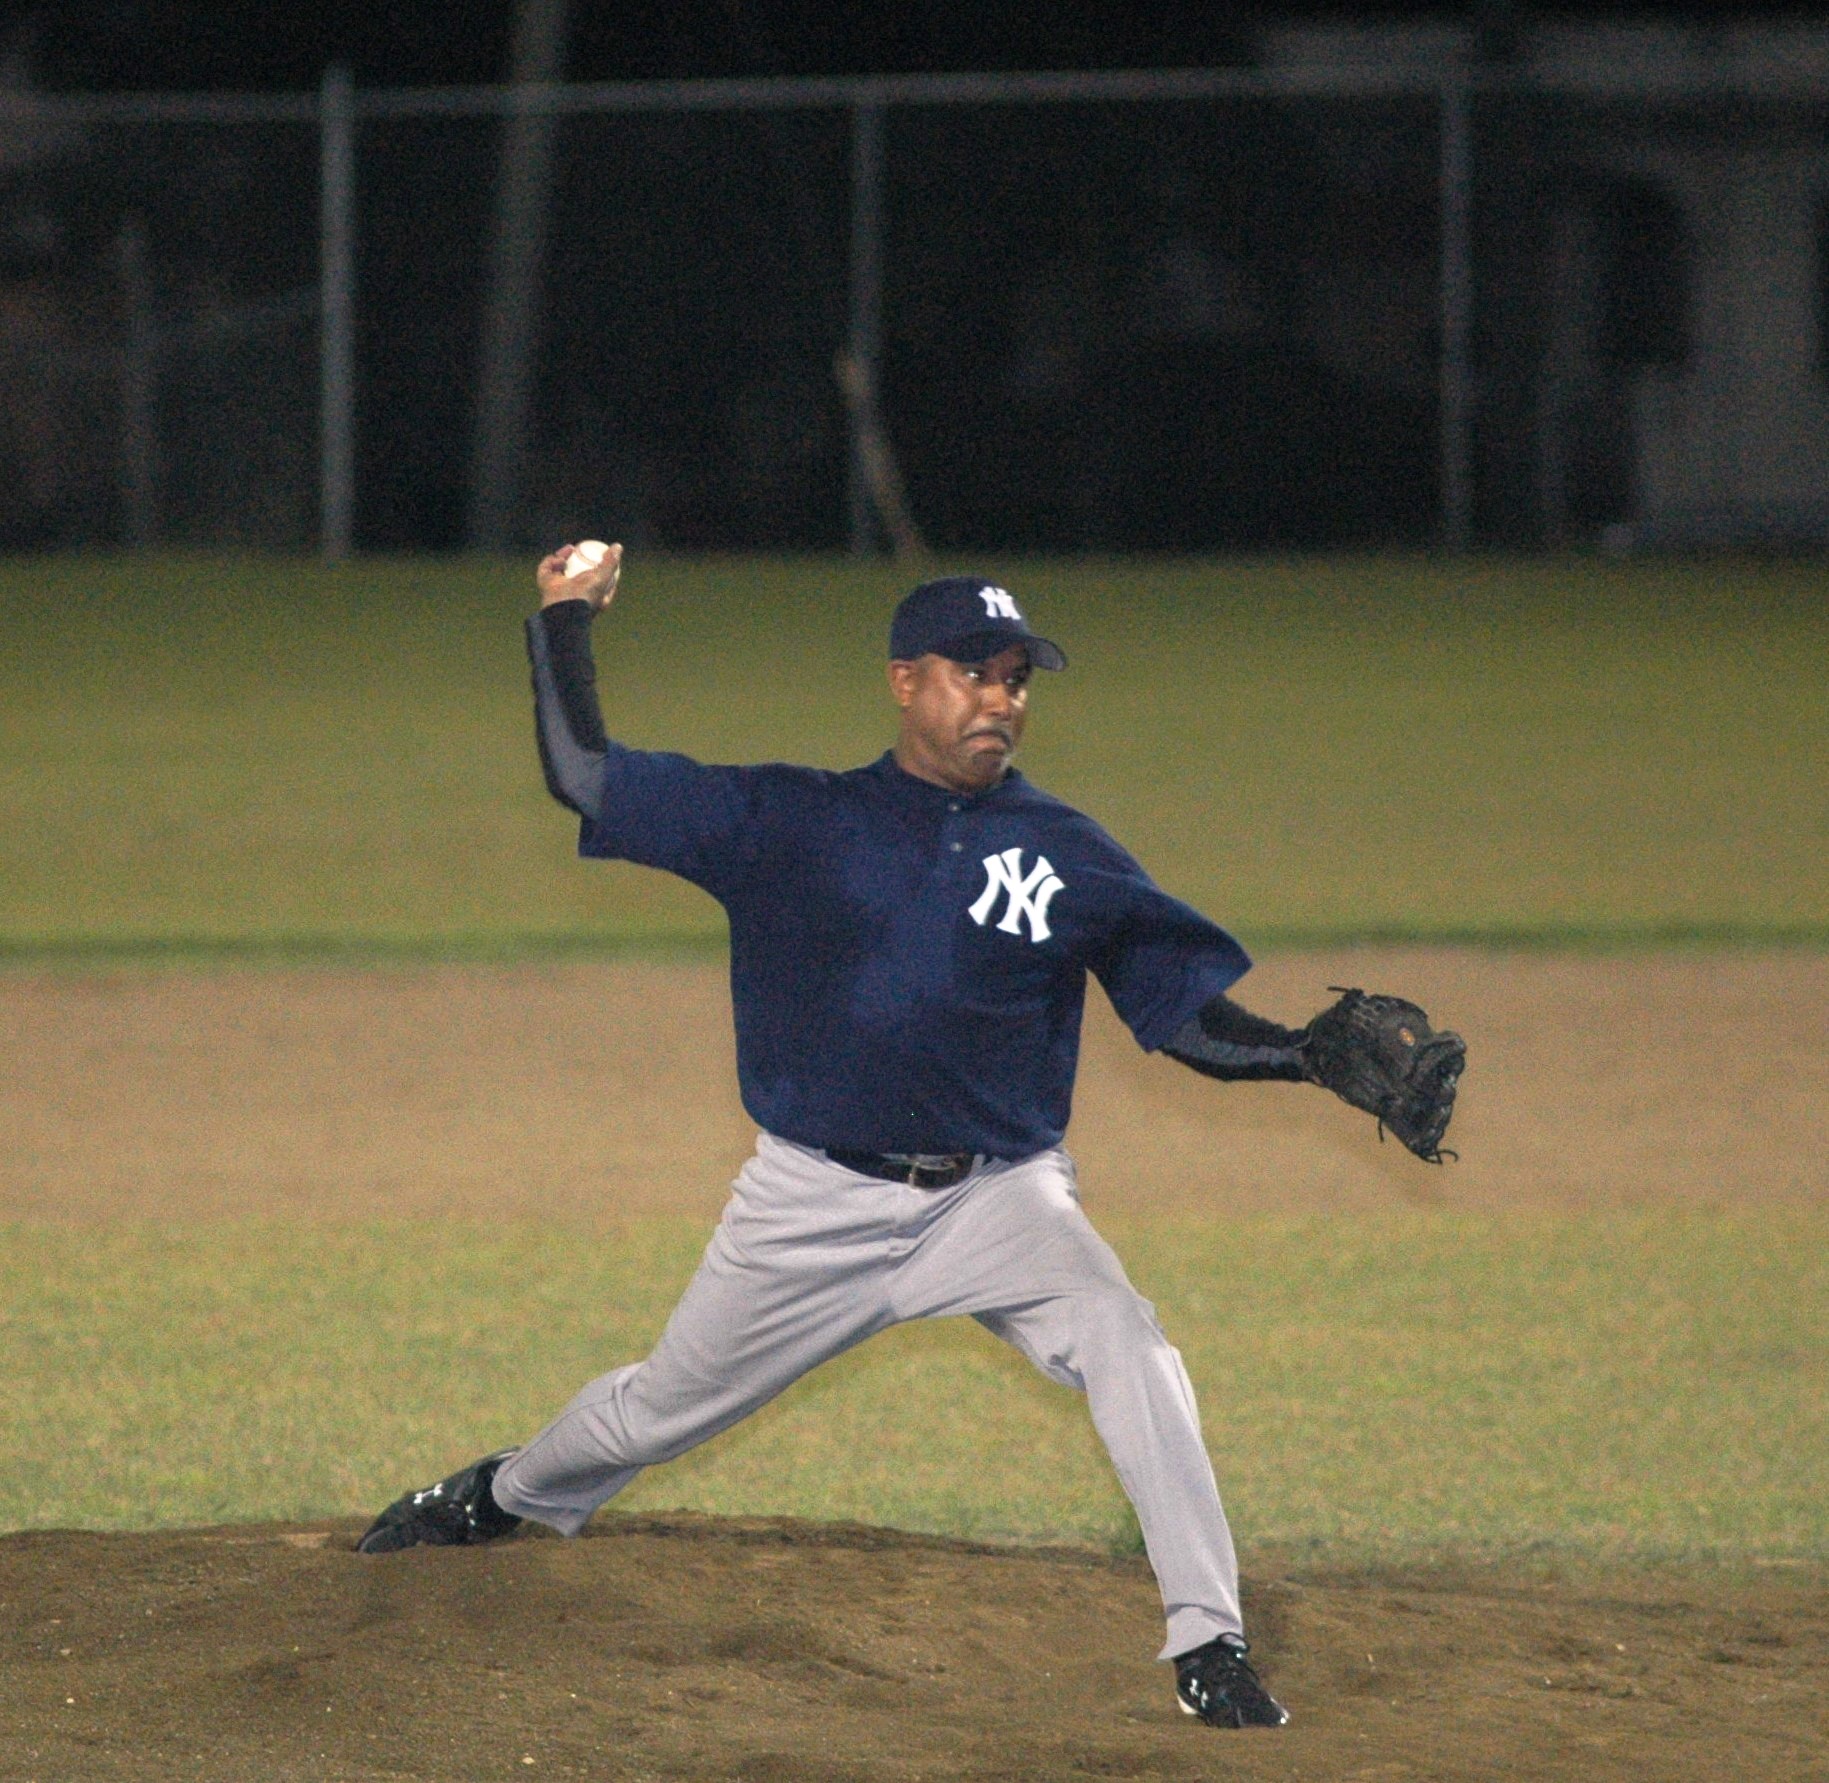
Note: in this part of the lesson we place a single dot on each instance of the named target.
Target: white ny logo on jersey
(998, 605)
(1029, 896)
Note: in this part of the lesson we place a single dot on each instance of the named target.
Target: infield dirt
(716, 1649)
(702, 1648)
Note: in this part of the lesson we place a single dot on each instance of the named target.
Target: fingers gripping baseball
(1380, 1054)
(588, 571)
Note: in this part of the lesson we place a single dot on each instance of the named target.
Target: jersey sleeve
(665, 810)
(654, 808)
(1159, 959)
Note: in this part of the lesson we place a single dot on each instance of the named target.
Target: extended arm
(1229, 1042)
(652, 807)
(568, 720)
(1377, 1052)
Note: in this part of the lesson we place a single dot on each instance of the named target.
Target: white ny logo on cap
(1029, 896)
(998, 605)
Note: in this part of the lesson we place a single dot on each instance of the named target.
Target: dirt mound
(695, 1648)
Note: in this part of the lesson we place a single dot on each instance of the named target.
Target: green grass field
(274, 759)
(279, 757)
(1656, 1385)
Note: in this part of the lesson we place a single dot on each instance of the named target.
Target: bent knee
(1118, 1311)
(1102, 1328)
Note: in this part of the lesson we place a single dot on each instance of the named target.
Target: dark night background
(188, 44)
(1162, 326)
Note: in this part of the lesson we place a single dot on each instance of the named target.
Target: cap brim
(977, 646)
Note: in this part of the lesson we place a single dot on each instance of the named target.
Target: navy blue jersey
(908, 964)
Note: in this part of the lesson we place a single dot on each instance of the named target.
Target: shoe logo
(1030, 895)
(998, 604)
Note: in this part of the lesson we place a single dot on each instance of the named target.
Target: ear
(901, 683)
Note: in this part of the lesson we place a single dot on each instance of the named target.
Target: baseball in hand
(586, 555)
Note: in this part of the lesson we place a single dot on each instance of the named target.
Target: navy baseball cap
(968, 619)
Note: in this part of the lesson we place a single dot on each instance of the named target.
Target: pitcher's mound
(697, 1648)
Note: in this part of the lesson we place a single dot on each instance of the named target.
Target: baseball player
(909, 945)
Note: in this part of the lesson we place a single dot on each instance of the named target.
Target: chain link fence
(158, 334)
(1213, 313)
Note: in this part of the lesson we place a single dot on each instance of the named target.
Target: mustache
(1001, 732)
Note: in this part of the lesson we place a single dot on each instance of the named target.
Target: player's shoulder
(789, 773)
(787, 782)
(1019, 793)
(799, 789)
(1064, 827)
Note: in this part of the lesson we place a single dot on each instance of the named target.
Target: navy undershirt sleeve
(568, 719)
(1226, 1041)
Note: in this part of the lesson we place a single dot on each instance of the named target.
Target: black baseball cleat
(454, 1513)
(1216, 1683)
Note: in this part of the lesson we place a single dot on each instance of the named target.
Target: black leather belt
(920, 1170)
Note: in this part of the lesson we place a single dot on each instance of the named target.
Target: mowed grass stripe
(267, 754)
(332, 949)
(1653, 1384)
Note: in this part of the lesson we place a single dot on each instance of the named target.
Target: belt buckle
(943, 1168)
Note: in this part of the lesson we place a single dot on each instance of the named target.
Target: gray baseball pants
(811, 1258)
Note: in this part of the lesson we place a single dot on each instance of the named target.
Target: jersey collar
(912, 789)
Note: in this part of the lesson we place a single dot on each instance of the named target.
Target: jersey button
(958, 847)
(953, 806)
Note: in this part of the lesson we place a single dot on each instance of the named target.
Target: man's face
(961, 721)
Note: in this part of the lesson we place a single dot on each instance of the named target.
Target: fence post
(139, 371)
(336, 315)
(866, 332)
(499, 452)
(1456, 310)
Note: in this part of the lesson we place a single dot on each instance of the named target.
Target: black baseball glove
(1380, 1054)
